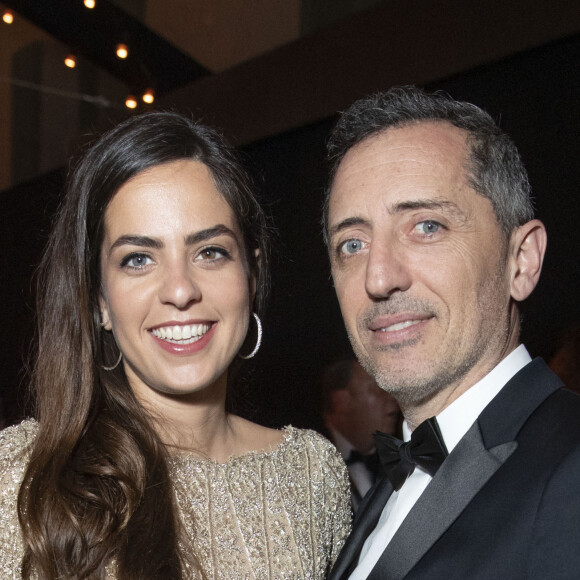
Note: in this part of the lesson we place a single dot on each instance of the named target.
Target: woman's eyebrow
(134, 240)
(156, 244)
(202, 235)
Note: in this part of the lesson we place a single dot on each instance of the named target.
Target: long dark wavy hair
(97, 486)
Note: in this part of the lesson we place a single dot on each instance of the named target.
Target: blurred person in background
(354, 407)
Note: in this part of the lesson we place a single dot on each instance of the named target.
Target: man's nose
(387, 270)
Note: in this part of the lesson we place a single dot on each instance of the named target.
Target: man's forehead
(414, 165)
(425, 141)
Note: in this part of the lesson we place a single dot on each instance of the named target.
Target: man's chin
(409, 392)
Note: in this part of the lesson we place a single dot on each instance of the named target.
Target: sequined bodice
(282, 514)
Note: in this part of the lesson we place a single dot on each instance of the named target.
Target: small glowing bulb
(148, 96)
(90, 4)
(131, 102)
(8, 17)
(70, 61)
(122, 51)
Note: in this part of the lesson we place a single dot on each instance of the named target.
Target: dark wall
(535, 96)
(25, 216)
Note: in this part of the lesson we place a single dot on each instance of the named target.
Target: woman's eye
(428, 227)
(137, 261)
(212, 254)
(351, 247)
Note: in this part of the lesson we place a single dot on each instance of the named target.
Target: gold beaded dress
(281, 514)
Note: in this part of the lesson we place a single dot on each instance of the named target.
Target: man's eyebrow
(347, 223)
(446, 206)
(156, 244)
(440, 204)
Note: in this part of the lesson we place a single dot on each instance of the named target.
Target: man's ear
(527, 249)
(105, 318)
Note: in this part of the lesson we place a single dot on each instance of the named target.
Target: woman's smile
(184, 340)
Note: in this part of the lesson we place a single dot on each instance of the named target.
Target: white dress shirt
(454, 422)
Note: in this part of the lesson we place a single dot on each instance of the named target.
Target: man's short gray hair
(495, 169)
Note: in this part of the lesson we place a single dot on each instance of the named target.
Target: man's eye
(428, 227)
(137, 261)
(351, 247)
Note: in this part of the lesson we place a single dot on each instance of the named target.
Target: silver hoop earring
(115, 365)
(259, 342)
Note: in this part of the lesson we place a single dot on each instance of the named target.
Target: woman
(134, 469)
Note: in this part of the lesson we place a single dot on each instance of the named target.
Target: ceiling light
(122, 51)
(131, 102)
(90, 4)
(148, 96)
(8, 17)
(70, 61)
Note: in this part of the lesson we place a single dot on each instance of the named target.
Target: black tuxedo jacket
(505, 504)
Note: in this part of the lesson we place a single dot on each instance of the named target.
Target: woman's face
(176, 291)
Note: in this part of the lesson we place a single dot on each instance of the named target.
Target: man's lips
(400, 322)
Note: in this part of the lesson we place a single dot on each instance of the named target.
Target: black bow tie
(426, 449)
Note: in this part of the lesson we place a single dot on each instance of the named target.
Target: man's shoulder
(559, 416)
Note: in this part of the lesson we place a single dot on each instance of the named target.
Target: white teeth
(400, 325)
(188, 332)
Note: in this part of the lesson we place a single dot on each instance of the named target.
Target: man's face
(419, 262)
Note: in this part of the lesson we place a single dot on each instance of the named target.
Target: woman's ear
(105, 318)
(253, 278)
(527, 249)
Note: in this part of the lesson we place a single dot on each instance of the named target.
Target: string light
(70, 61)
(8, 17)
(90, 4)
(148, 96)
(131, 102)
(122, 51)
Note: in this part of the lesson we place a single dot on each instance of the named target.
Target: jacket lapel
(366, 519)
(483, 449)
(459, 479)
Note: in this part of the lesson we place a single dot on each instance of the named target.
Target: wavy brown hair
(97, 485)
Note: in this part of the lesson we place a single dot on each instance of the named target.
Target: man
(433, 244)
(354, 407)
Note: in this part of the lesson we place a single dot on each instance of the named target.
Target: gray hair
(495, 168)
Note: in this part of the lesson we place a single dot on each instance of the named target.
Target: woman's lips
(179, 332)
(183, 339)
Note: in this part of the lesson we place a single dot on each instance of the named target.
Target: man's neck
(416, 413)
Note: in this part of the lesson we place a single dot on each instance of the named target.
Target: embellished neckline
(188, 457)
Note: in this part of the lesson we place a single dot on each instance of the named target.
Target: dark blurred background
(272, 74)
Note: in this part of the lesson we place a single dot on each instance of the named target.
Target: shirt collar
(456, 419)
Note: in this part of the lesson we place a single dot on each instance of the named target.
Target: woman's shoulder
(15, 444)
(310, 439)
(320, 452)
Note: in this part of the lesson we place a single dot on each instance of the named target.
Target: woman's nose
(179, 286)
